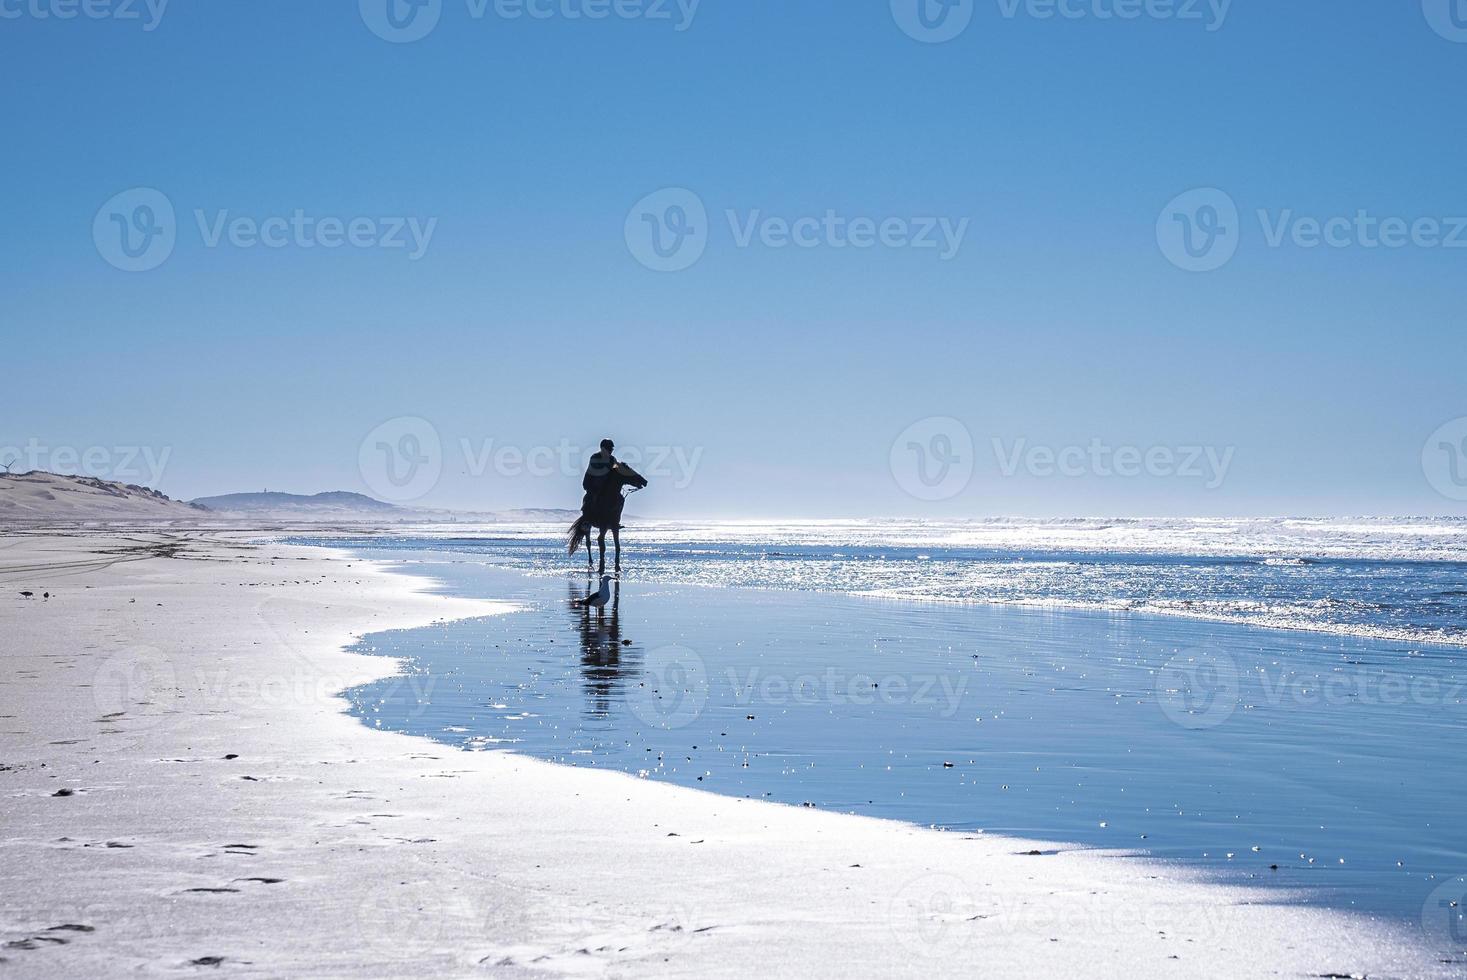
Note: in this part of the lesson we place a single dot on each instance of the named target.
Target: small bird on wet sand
(599, 599)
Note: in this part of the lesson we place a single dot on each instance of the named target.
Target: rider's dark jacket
(597, 470)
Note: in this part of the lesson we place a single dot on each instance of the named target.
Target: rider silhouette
(597, 470)
(601, 508)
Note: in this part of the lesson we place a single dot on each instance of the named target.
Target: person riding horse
(598, 469)
(602, 505)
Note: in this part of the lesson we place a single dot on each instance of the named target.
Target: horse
(603, 511)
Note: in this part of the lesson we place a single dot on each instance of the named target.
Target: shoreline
(1084, 731)
(325, 848)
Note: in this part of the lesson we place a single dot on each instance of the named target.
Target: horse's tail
(580, 531)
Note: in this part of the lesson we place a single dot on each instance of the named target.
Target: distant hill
(336, 503)
(341, 505)
(41, 496)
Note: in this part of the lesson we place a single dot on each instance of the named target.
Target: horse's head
(629, 477)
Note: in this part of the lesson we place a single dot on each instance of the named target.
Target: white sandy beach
(226, 816)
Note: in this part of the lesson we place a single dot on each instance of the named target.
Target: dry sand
(183, 794)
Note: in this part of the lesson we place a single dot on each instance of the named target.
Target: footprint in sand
(45, 938)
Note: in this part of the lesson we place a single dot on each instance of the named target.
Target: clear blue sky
(529, 320)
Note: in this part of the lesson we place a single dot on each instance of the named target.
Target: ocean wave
(1287, 538)
(1293, 620)
(1387, 578)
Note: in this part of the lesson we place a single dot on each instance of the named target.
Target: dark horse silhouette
(602, 510)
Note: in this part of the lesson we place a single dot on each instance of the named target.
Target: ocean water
(1401, 578)
(1281, 704)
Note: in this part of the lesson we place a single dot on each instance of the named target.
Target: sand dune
(51, 497)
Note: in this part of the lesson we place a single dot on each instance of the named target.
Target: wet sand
(1101, 729)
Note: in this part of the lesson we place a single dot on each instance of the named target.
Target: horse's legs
(616, 537)
(602, 542)
(590, 564)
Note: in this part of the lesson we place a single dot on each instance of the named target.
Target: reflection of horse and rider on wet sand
(605, 656)
(606, 484)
